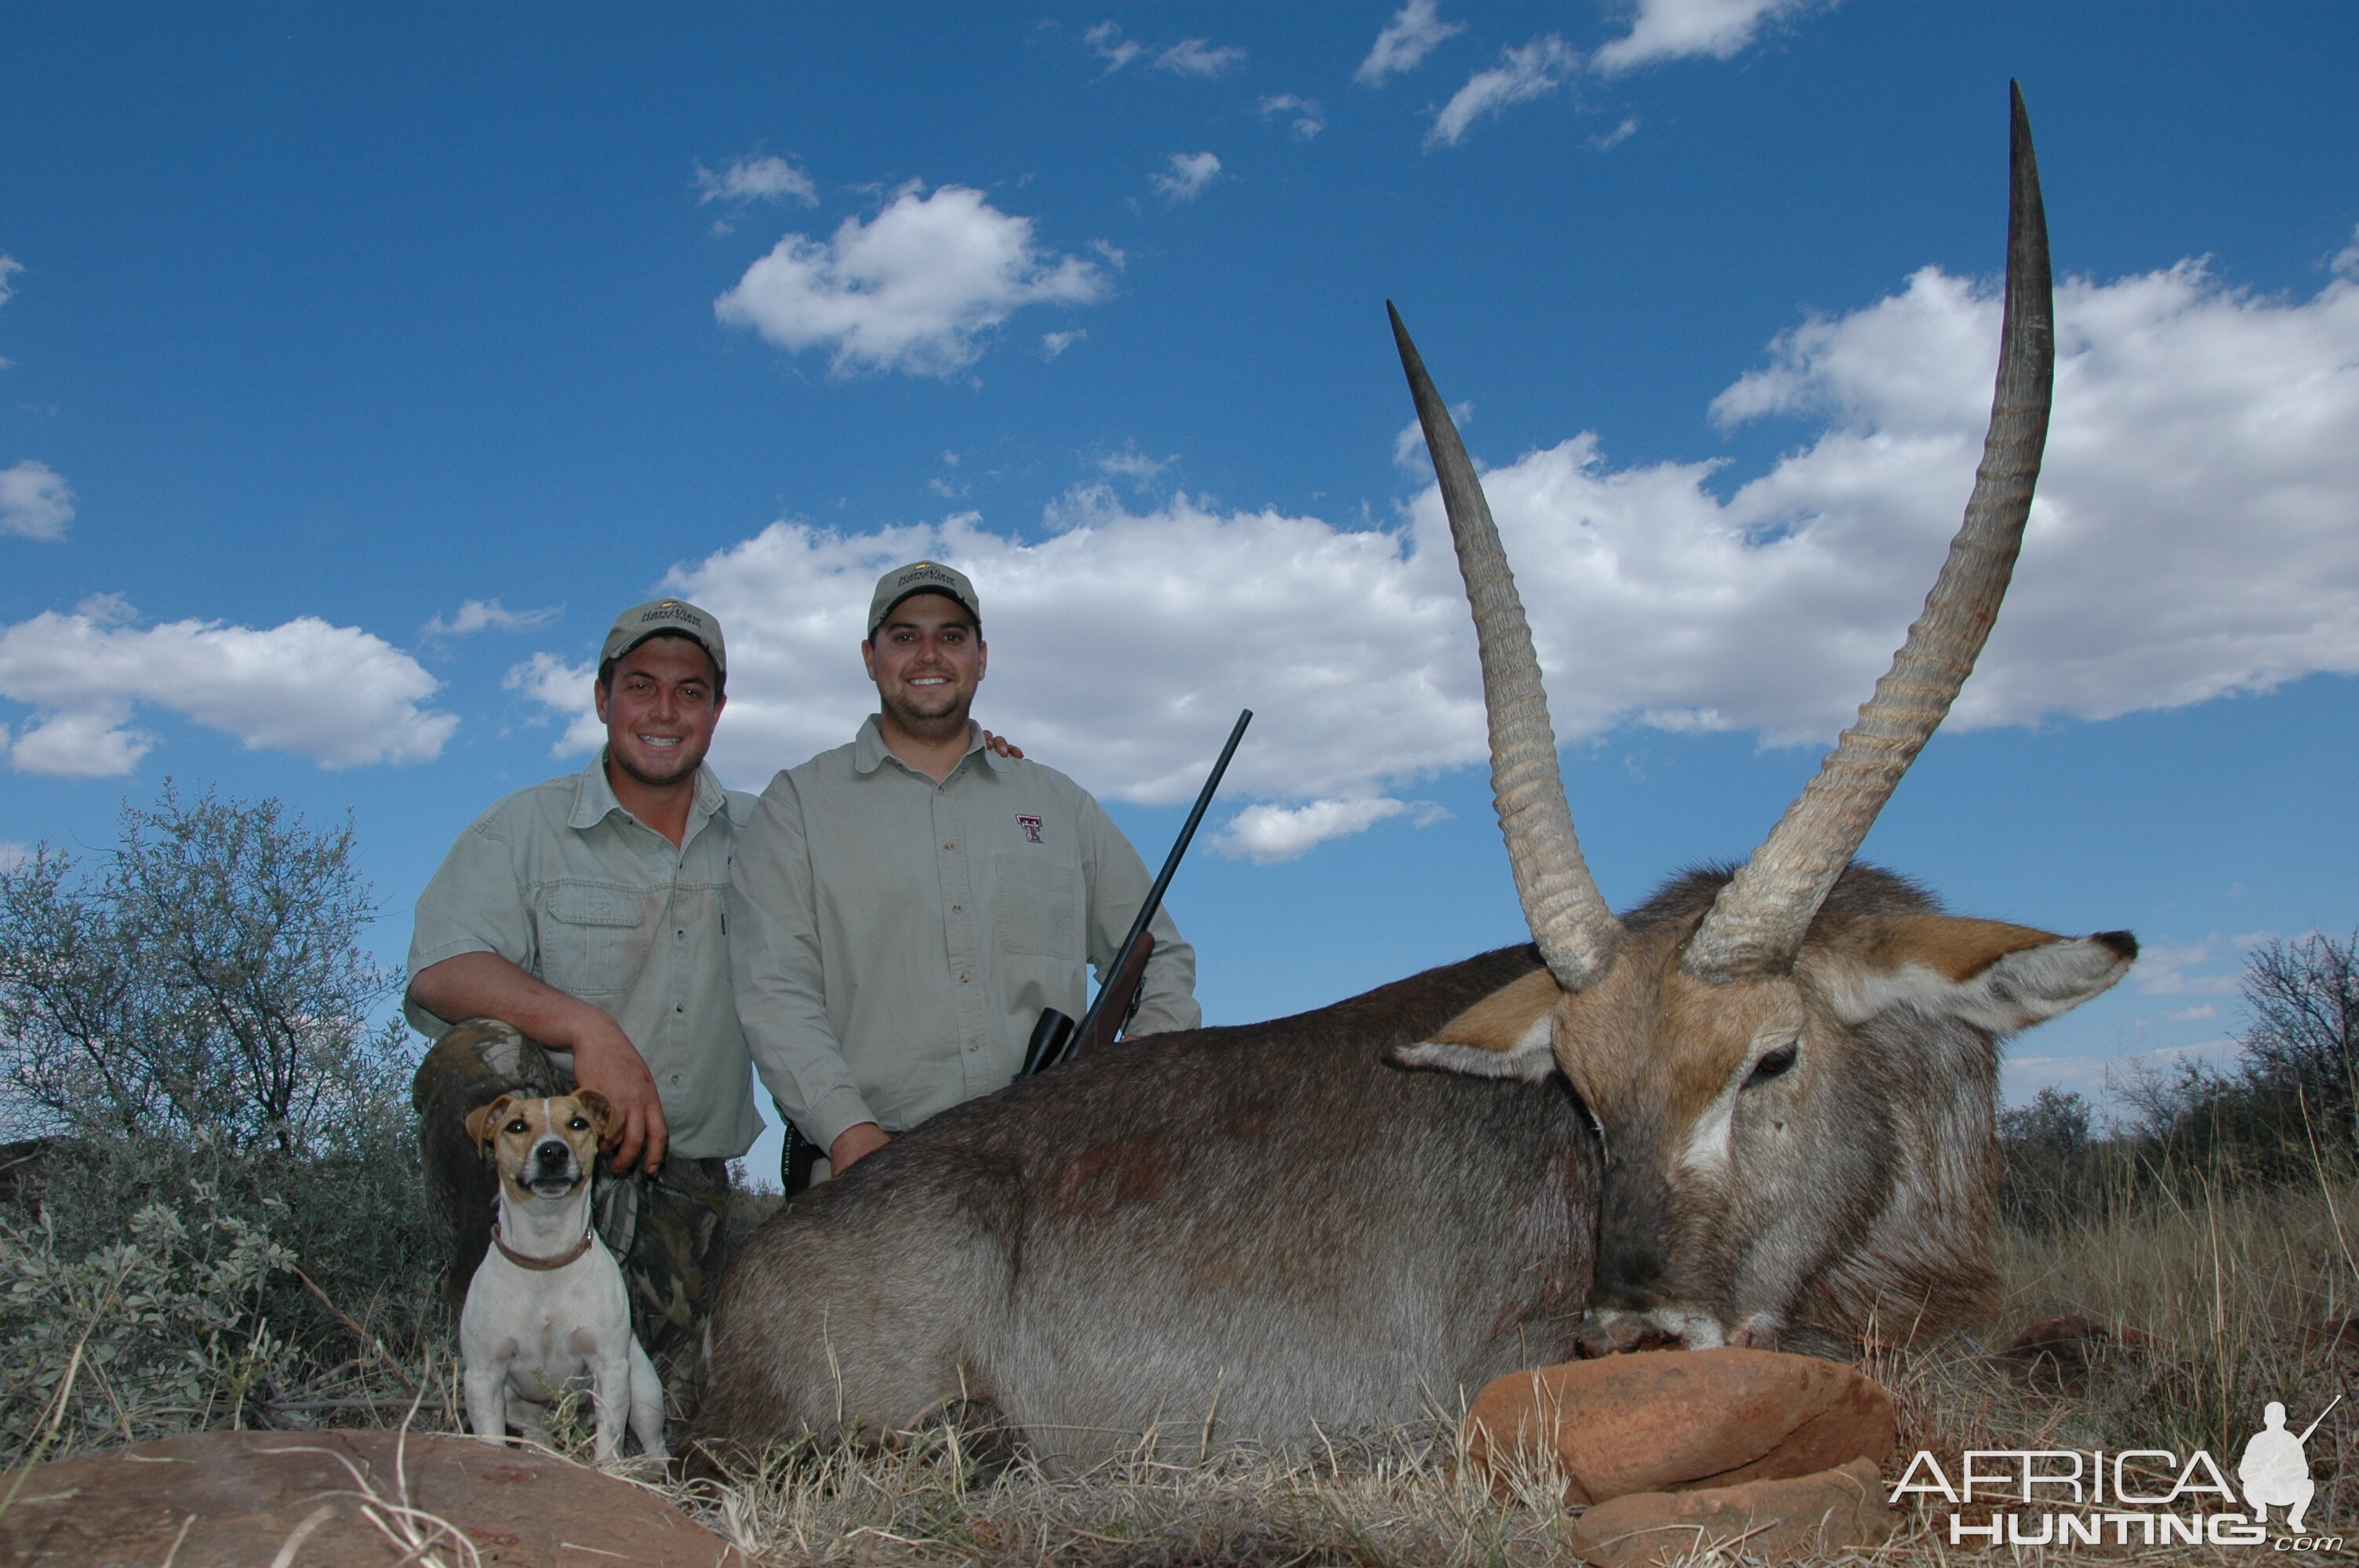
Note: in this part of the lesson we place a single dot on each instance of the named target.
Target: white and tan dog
(548, 1309)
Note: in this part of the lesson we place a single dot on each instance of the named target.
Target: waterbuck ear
(1505, 1035)
(484, 1122)
(1987, 973)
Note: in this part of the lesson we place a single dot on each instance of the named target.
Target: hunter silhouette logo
(2275, 1470)
(2131, 1496)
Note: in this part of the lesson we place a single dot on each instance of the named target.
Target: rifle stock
(1121, 1001)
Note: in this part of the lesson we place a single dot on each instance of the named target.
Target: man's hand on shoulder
(1002, 745)
(853, 1144)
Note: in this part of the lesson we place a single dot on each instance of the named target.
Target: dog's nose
(554, 1153)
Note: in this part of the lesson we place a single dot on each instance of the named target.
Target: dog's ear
(484, 1122)
(601, 1109)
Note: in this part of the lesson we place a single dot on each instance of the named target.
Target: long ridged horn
(1576, 932)
(1757, 923)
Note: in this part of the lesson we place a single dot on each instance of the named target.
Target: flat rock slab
(1776, 1521)
(237, 1500)
(1671, 1420)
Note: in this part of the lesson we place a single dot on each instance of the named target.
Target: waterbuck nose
(1630, 1259)
(1628, 1277)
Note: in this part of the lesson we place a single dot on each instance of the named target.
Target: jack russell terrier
(546, 1309)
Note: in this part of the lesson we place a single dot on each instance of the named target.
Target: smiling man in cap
(903, 907)
(575, 937)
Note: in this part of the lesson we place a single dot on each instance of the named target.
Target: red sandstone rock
(234, 1499)
(1776, 1521)
(1679, 1420)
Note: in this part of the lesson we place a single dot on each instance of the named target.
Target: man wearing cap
(575, 936)
(903, 907)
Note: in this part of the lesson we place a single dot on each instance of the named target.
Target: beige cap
(659, 617)
(921, 577)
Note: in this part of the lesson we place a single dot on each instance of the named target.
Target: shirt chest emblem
(1031, 826)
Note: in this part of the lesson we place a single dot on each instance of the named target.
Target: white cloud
(333, 694)
(1111, 46)
(1189, 57)
(1196, 56)
(913, 289)
(9, 267)
(2192, 537)
(2166, 970)
(1675, 29)
(489, 614)
(1534, 71)
(1266, 834)
(756, 180)
(1132, 464)
(1309, 114)
(13, 854)
(34, 499)
(1405, 40)
(567, 690)
(1615, 137)
(1055, 343)
(1191, 172)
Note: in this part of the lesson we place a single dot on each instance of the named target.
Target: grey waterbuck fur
(1759, 1106)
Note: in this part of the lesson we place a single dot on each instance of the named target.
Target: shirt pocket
(1036, 907)
(595, 941)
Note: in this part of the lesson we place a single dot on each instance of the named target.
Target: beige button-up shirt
(564, 884)
(894, 940)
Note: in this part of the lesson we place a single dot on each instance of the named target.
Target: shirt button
(674, 1078)
(958, 909)
(949, 846)
(963, 979)
(974, 1044)
(681, 1007)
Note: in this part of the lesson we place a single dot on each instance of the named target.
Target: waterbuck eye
(1775, 1063)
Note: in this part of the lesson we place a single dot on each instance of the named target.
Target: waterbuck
(1759, 1105)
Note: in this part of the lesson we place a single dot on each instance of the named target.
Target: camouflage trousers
(668, 1231)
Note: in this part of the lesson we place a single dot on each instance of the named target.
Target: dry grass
(2241, 1297)
(2217, 1305)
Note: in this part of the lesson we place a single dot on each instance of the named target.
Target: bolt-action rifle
(1056, 1037)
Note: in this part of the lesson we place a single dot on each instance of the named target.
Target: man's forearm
(485, 985)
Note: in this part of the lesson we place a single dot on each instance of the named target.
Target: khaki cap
(660, 617)
(921, 577)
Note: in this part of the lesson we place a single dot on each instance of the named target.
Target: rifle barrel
(1162, 882)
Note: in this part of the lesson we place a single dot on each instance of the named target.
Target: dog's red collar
(521, 1262)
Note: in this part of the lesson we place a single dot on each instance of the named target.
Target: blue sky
(360, 361)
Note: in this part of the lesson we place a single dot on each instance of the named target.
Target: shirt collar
(869, 750)
(594, 799)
